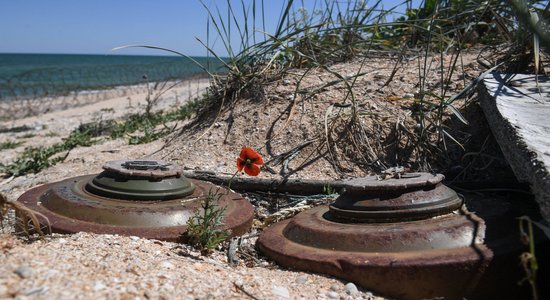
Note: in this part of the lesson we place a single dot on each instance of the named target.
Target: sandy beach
(55, 118)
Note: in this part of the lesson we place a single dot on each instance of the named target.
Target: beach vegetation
(148, 126)
(35, 159)
(205, 228)
(10, 145)
(138, 128)
(27, 219)
(27, 135)
(52, 134)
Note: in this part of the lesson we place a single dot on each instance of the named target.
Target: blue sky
(95, 27)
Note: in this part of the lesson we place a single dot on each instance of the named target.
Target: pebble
(408, 95)
(198, 267)
(281, 292)
(24, 271)
(239, 283)
(36, 290)
(263, 203)
(301, 279)
(166, 264)
(333, 295)
(335, 287)
(151, 294)
(350, 288)
(134, 238)
(99, 286)
(3, 291)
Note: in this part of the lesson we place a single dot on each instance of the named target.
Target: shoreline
(13, 109)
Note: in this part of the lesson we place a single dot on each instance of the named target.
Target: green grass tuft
(9, 145)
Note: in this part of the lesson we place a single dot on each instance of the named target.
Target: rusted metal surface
(408, 260)
(449, 231)
(407, 238)
(417, 196)
(407, 181)
(71, 207)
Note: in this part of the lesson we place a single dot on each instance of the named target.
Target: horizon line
(100, 54)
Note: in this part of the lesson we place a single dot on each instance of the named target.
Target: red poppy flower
(250, 161)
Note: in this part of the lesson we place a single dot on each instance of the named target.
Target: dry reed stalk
(27, 219)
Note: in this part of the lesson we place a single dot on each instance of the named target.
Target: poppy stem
(231, 179)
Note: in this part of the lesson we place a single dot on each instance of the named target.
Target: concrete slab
(518, 112)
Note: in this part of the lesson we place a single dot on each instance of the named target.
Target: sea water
(40, 75)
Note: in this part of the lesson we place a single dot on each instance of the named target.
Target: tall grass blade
(470, 87)
(458, 114)
(536, 42)
(452, 138)
(283, 18)
(167, 50)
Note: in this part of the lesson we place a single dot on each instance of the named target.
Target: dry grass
(26, 219)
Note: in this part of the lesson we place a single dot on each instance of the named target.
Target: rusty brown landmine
(408, 256)
(401, 274)
(238, 216)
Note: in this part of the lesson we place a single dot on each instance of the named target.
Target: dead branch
(287, 185)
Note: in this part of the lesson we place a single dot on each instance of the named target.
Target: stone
(24, 272)
(280, 292)
(3, 291)
(98, 286)
(333, 295)
(301, 279)
(36, 290)
(350, 288)
(239, 283)
(167, 265)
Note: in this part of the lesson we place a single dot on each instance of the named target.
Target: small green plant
(153, 126)
(32, 160)
(9, 145)
(328, 189)
(52, 134)
(528, 259)
(204, 228)
(28, 135)
(35, 159)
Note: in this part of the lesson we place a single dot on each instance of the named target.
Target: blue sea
(39, 75)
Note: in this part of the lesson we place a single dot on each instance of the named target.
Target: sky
(97, 26)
